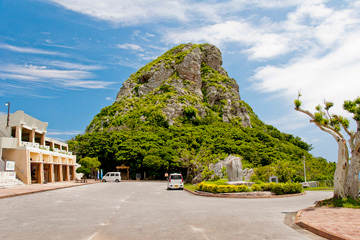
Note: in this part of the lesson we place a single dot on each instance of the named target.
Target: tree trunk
(340, 176)
(352, 183)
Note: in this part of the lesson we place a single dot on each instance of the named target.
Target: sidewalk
(35, 188)
(331, 223)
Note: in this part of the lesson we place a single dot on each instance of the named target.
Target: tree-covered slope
(182, 112)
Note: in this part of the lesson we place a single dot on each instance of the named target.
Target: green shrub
(287, 188)
(212, 188)
(277, 188)
(231, 188)
(217, 181)
(256, 187)
(200, 186)
(222, 189)
(268, 186)
(242, 188)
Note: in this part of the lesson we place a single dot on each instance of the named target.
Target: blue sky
(63, 60)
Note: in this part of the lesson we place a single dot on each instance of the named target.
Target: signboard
(10, 166)
(273, 179)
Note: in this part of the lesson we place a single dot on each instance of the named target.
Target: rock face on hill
(187, 82)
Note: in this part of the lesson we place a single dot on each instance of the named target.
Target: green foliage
(286, 188)
(255, 187)
(340, 202)
(206, 173)
(353, 107)
(297, 103)
(135, 131)
(190, 112)
(277, 188)
(88, 164)
(264, 148)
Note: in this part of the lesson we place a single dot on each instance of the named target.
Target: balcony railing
(44, 147)
(47, 148)
(30, 144)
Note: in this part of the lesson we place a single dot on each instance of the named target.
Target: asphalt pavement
(146, 210)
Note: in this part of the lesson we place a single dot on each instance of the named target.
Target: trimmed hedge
(277, 188)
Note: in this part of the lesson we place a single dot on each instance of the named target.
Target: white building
(37, 158)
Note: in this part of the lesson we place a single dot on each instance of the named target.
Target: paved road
(145, 210)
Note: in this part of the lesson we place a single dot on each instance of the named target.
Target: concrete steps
(11, 183)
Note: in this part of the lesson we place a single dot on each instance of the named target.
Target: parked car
(175, 181)
(112, 177)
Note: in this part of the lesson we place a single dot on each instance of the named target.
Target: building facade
(37, 158)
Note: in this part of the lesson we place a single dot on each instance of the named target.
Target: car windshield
(175, 177)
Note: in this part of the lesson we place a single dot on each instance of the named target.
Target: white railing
(47, 148)
(30, 144)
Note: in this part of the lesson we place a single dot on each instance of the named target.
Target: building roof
(19, 118)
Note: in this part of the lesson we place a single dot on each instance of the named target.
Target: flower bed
(277, 188)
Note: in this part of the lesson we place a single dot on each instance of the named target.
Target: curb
(317, 231)
(230, 195)
(43, 190)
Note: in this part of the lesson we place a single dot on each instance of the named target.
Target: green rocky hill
(182, 112)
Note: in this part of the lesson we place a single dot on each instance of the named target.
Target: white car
(112, 177)
(175, 181)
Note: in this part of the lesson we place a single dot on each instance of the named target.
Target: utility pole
(304, 169)
(8, 116)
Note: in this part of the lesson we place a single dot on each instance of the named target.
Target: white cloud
(79, 66)
(59, 133)
(334, 76)
(130, 46)
(29, 50)
(108, 98)
(50, 43)
(51, 77)
(128, 12)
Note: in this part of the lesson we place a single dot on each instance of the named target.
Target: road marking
(124, 200)
(195, 229)
(92, 236)
(105, 224)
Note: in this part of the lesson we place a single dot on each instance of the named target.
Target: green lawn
(190, 187)
(319, 189)
(336, 202)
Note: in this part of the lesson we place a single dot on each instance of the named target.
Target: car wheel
(117, 180)
(104, 180)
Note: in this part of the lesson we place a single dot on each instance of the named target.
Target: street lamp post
(304, 169)
(8, 116)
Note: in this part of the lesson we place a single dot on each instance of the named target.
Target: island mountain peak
(185, 83)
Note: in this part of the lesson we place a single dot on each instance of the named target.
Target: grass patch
(217, 182)
(190, 187)
(340, 202)
(319, 189)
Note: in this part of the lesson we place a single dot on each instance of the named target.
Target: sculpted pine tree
(346, 177)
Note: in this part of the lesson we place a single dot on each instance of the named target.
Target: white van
(112, 177)
(175, 181)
